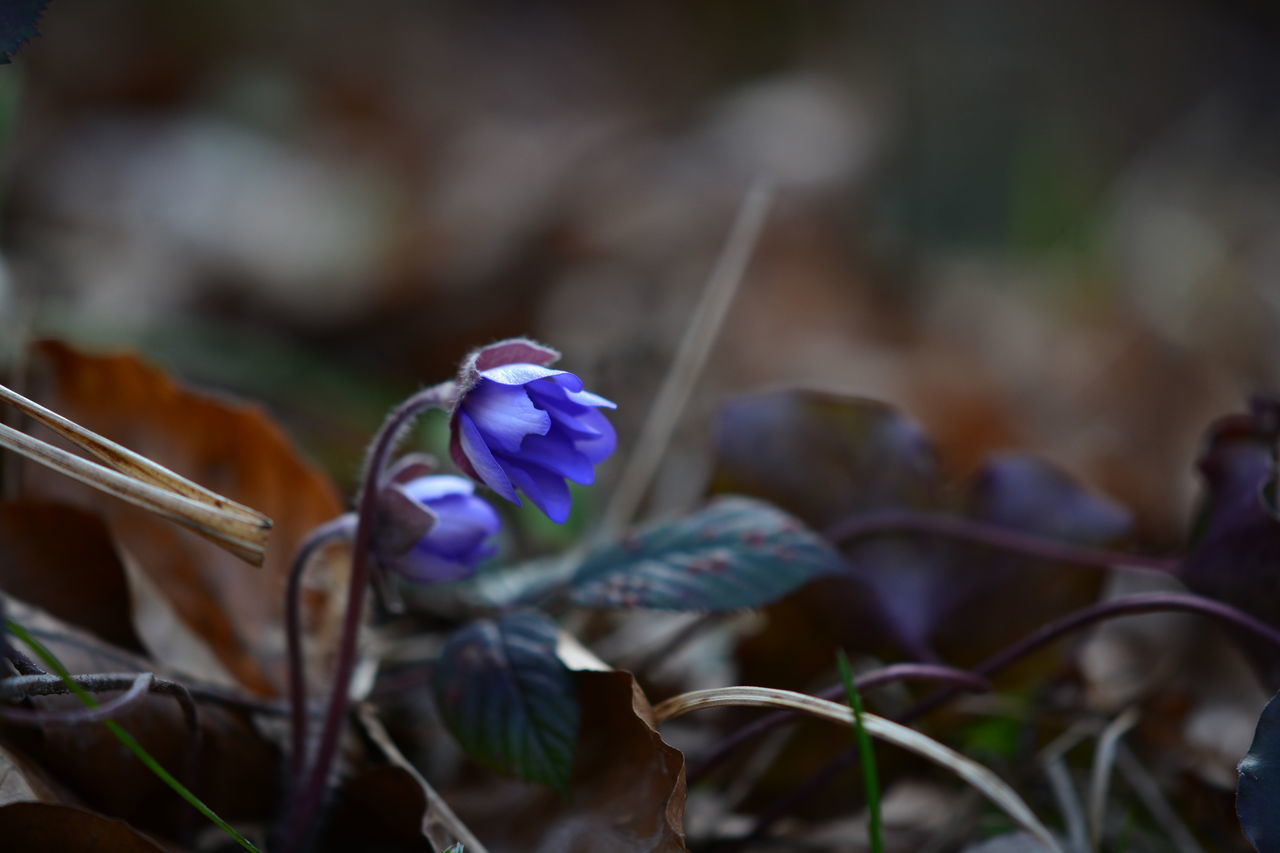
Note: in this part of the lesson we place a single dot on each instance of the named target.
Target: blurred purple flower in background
(461, 536)
(519, 425)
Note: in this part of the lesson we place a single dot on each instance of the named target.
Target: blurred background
(1031, 224)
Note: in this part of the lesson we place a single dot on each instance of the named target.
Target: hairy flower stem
(1156, 602)
(888, 522)
(311, 784)
(962, 679)
(331, 531)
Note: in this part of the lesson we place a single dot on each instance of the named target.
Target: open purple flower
(460, 537)
(519, 425)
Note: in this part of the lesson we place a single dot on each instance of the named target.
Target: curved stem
(331, 531)
(316, 778)
(1152, 602)
(875, 678)
(1155, 602)
(888, 522)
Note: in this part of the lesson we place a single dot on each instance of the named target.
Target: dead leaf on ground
(232, 448)
(380, 809)
(62, 559)
(236, 770)
(45, 826)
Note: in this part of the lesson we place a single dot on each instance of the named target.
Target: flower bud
(518, 425)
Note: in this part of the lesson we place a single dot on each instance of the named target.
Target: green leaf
(735, 553)
(1258, 789)
(508, 699)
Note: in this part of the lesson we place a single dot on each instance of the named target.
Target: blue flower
(461, 536)
(518, 425)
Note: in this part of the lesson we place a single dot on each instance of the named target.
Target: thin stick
(1104, 758)
(875, 678)
(980, 777)
(1153, 798)
(244, 536)
(126, 461)
(889, 522)
(689, 360)
(1064, 791)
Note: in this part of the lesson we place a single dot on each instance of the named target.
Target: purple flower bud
(461, 536)
(519, 425)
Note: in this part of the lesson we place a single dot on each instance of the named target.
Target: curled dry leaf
(854, 468)
(231, 448)
(626, 792)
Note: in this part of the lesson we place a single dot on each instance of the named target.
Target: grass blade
(867, 758)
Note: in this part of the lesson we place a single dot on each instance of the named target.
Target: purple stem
(331, 531)
(890, 521)
(1154, 602)
(315, 780)
(963, 679)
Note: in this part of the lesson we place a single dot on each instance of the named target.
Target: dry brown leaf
(62, 559)
(236, 770)
(232, 448)
(45, 826)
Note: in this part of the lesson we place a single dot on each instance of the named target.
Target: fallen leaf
(235, 769)
(45, 826)
(232, 448)
(837, 460)
(379, 809)
(63, 560)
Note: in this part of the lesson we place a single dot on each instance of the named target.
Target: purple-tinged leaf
(508, 699)
(735, 553)
(856, 465)
(822, 456)
(1258, 790)
(1235, 551)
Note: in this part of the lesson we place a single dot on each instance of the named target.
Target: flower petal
(586, 398)
(599, 446)
(463, 523)
(482, 459)
(557, 453)
(436, 486)
(520, 374)
(547, 491)
(425, 567)
(504, 414)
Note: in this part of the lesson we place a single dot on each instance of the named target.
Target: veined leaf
(508, 699)
(735, 553)
(1258, 789)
